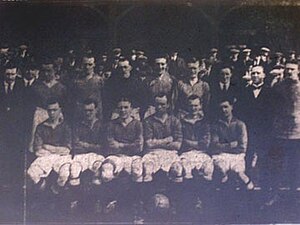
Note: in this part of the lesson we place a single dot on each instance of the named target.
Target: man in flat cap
(245, 64)
(213, 56)
(263, 59)
(176, 65)
(278, 59)
(275, 76)
(233, 61)
(292, 55)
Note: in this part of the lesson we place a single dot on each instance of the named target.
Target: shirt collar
(256, 86)
(60, 121)
(28, 81)
(191, 120)
(85, 123)
(233, 120)
(7, 84)
(119, 121)
(159, 120)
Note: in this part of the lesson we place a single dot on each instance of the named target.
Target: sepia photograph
(149, 112)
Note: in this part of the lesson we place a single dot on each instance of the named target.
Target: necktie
(224, 88)
(9, 90)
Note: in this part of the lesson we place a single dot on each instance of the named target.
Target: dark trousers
(285, 163)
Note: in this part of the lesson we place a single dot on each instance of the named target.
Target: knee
(208, 169)
(63, 175)
(35, 173)
(75, 170)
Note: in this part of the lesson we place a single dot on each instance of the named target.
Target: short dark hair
(231, 100)
(193, 97)
(90, 101)
(88, 56)
(10, 65)
(159, 55)
(52, 101)
(161, 95)
(124, 99)
(191, 59)
(293, 61)
(31, 66)
(222, 66)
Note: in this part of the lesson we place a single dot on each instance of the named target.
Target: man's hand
(63, 151)
(169, 139)
(82, 144)
(49, 148)
(42, 152)
(233, 144)
(58, 150)
(116, 144)
(173, 146)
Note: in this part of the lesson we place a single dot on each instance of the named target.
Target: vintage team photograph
(149, 112)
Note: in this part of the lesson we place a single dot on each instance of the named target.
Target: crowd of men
(157, 130)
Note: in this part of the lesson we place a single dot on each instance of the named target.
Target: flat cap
(265, 49)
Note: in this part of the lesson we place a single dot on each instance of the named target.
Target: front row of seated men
(127, 148)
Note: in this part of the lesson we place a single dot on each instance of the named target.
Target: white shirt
(222, 86)
(6, 85)
(28, 82)
(257, 89)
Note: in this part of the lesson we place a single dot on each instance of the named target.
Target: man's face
(291, 71)
(104, 58)
(124, 109)
(193, 69)
(59, 61)
(226, 109)
(88, 65)
(4, 51)
(31, 74)
(225, 75)
(292, 56)
(265, 53)
(54, 111)
(48, 72)
(107, 172)
(195, 106)
(277, 73)
(161, 104)
(160, 65)
(137, 168)
(125, 68)
(10, 75)
(246, 54)
(257, 75)
(90, 112)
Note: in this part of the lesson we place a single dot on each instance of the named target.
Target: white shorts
(42, 166)
(200, 161)
(165, 158)
(87, 161)
(230, 162)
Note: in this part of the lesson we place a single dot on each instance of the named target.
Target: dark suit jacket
(217, 94)
(11, 112)
(177, 68)
(257, 113)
